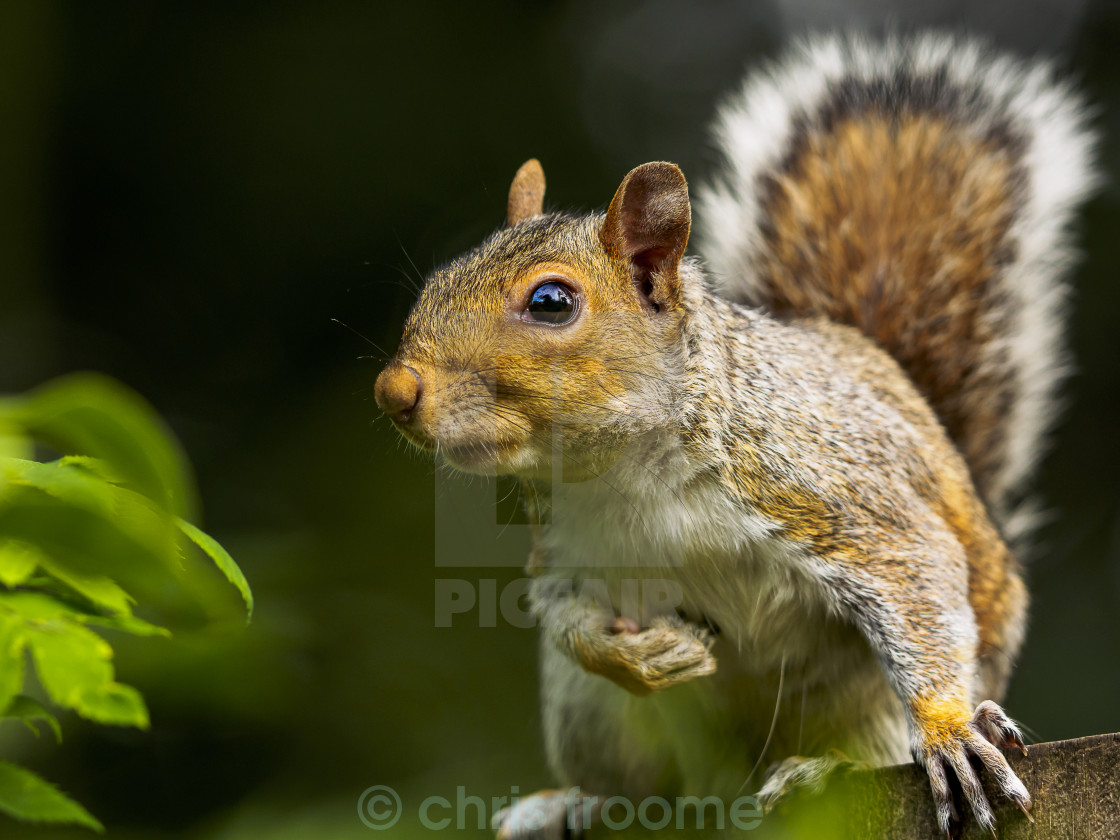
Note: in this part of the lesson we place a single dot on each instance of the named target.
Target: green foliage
(84, 538)
(29, 710)
(25, 796)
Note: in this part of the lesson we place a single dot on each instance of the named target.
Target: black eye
(551, 303)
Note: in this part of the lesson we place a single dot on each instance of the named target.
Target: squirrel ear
(647, 224)
(526, 193)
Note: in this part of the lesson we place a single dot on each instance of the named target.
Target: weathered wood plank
(1075, 786)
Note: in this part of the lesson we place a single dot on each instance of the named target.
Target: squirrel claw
(994, 724)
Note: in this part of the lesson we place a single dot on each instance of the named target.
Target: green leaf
(93, 415)
(41, 607)
(25, 796)
(13, 443)
(17, 561)
(126, 624)
(29, 607)
(222, 560)
(12, 643)
(66, 482)
(143, 557)
(98, 589)
(73, 663)
(29, 710)
(115, 704)
(70, 660)
(102, 469)
(129, 512)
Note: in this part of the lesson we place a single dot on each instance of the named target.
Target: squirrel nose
(397, 391)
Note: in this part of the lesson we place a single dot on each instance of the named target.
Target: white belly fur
(776, 626)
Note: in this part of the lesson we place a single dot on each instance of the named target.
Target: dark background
(190, 193)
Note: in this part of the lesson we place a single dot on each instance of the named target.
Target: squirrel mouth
(479, 456)
(486, 456)
(418, 440)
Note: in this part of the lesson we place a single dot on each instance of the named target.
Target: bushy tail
(920, 190)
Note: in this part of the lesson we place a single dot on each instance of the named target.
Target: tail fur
(921, 190)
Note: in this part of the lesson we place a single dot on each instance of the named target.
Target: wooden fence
(1075, 786)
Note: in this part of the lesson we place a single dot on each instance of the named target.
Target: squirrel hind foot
(546, 815)
(801, 773)
(950, 754)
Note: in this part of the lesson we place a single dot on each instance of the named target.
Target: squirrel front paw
(670, 651)
(946, 745)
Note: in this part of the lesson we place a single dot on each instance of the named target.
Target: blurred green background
(190, 193)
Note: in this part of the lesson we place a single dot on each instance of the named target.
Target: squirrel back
(920, 191)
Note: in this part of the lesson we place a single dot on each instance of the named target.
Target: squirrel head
(556, 340)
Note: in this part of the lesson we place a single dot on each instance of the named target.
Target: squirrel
(820, 438)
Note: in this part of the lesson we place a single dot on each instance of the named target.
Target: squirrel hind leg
(801, 774)
(546, 815)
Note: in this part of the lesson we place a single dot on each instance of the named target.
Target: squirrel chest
(655, 546)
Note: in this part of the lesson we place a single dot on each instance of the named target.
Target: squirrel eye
(551, 303)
